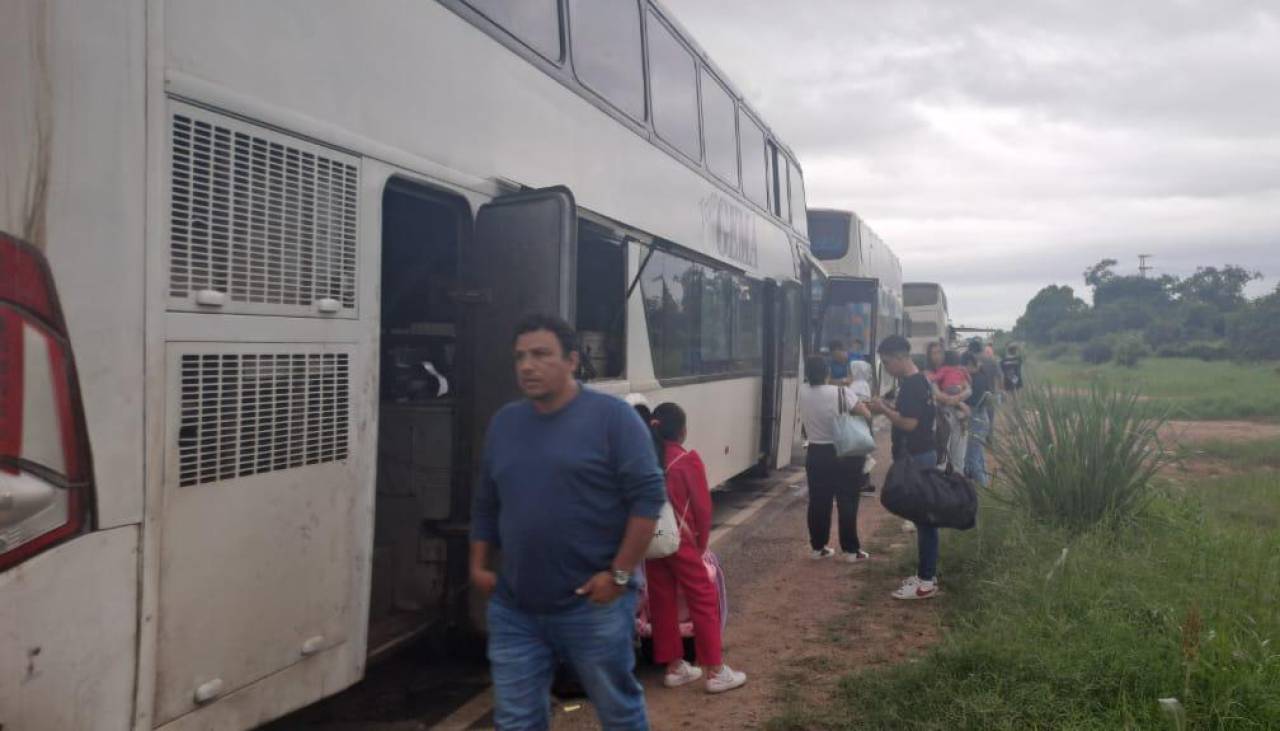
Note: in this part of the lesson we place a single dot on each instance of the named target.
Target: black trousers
(839, 479)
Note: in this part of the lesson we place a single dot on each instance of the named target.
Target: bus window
(797, 195)
(702, 321)
(828, 234)
(673, 89)
(754, 176)
(919, 295)
(601, 291)
(784, 192)
(535, 23)
(606, 51)
(718, 129)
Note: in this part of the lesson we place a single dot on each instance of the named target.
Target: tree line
(1205, 315)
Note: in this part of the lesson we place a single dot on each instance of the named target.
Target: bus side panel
(724, 422)
(68, 623)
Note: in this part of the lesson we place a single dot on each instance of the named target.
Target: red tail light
(45, 463)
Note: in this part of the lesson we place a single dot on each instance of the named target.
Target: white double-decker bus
(928, 320)
(290, 241)
(861, 298)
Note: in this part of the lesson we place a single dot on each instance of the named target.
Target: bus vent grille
(266, 220)
(248, 413)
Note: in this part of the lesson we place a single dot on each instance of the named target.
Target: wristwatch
(620, 577)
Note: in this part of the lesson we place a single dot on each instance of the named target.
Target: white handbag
(666, 534)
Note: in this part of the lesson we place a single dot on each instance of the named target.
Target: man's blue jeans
(597, 641)
(926, 535)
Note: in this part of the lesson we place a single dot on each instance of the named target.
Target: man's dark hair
(975, 345)
(969, 359)
(950, 358)
(816, 370)
(563, 331)
(857, 341)
(894, 346)
(835, 345)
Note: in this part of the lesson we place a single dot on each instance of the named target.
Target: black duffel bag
(930, 496)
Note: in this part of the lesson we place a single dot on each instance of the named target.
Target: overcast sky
(1002, 145)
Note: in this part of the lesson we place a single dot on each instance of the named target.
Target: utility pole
(1143, 267)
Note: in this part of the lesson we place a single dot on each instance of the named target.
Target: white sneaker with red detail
(726, 679)
(855, 557)
(916, 588)
(684, 675)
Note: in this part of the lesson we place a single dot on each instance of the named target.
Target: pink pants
(686, 571)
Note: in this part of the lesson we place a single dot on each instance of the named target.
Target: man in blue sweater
(570, 491)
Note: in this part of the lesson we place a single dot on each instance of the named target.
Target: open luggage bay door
(522, 261)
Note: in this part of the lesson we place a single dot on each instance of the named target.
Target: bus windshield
(829, 235)
(919, 295)
(850, 313)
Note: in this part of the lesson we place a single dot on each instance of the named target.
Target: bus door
(522, 260)
(771, 382)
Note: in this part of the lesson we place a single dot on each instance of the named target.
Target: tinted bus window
(828, 235)
(916, 295)
(702, 321)
(673, 90)
(718, 129)
(754, 175)
(927, 329)
(797, 192)
(606, 51)
(535, 23)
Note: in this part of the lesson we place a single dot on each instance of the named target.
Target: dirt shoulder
(796, 625)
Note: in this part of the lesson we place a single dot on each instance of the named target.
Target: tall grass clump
(1080, 459)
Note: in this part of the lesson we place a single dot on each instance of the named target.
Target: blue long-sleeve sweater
(556, 492)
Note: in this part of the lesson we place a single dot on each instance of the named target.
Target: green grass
(1191, 389)
(1256, 454)
(1053, 630)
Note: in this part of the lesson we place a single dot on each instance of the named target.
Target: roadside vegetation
(1136, 603)
(1133, 317)
(1184, 388)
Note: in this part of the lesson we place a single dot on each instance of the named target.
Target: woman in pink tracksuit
(684, 571)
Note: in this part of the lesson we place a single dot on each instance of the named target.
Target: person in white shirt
(830, 478)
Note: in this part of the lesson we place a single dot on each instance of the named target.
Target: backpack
(930, 496)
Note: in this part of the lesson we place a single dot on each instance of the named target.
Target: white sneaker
(908, 527)
(916, 588)
(726, 679)
(685, 675)
(870, 466)
(824, 552)
(855, 557)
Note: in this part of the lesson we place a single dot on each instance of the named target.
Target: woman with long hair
(830, 477)
(684, 571)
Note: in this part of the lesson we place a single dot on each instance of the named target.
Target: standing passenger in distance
(860, 384)
(975, 459)
(684, 571)
(838, 363)
(830, 477)
(570, 491)
(1011, 367)
(912, 417)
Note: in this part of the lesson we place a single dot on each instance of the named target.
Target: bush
(1078, 460)
(1129, 349)
(1056, 352)
(1255, 330)
(1204, 350)
(1097, 352)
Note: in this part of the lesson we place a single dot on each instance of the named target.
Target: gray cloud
(1000, 145)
